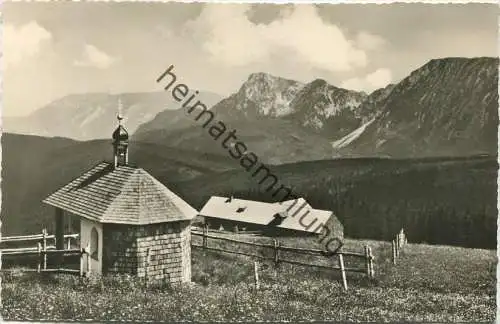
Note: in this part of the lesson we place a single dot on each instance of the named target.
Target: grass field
(429, 283)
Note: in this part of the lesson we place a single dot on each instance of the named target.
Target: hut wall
(160, 252)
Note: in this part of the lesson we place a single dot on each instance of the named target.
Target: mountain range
(92, 115)
(446, 107)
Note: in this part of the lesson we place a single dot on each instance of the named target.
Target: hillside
(273, 140)
(171, 120)
(439, 201)
(33, 167)
(448, 107)
(92, 115)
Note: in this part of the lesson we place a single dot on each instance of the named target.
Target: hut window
(241, 209)
(94, 244)
(281, 215)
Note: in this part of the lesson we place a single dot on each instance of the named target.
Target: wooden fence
(398, 245)
(276, 247)
(42, 250)
(44, 239)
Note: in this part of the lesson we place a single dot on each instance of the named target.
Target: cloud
(300, 35)
(94, 57)
(22, 42)
(368, 41)
(378, 79)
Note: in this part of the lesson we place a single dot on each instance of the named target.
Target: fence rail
(43, 250)
(282, 248)
(34, 237)
(276, 247)
(42, 238)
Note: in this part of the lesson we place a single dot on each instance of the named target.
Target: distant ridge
(91, 115)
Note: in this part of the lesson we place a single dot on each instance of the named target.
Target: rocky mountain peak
(261, 95)
(261, 77)
(263, 86)
(318, 83)
(322, 106)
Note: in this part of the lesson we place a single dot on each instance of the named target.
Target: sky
(52, 49)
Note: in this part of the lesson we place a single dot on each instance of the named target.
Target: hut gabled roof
(123, 195)
(291, 213)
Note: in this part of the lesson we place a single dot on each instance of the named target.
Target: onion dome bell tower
(120, 142)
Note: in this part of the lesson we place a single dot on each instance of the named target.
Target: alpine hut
(294, 217)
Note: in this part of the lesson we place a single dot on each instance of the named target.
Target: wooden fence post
(398, 246)
(393, 252)
(342, 270)
(256, 275)
(39, 248)
(400, 243)
(367, 261)
(44, 234)
(276, 252)
(82, 252)
(276, 258)
(69, 243)
(205, 233)
(371, 265)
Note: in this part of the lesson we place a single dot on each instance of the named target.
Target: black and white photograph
(249, 162)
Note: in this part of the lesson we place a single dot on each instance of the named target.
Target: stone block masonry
(159, 252)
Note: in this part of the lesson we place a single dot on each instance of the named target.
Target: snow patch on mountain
(349, 138)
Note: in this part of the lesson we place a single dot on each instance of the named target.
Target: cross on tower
(120, 108)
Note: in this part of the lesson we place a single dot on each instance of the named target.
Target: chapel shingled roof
(122, 194)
